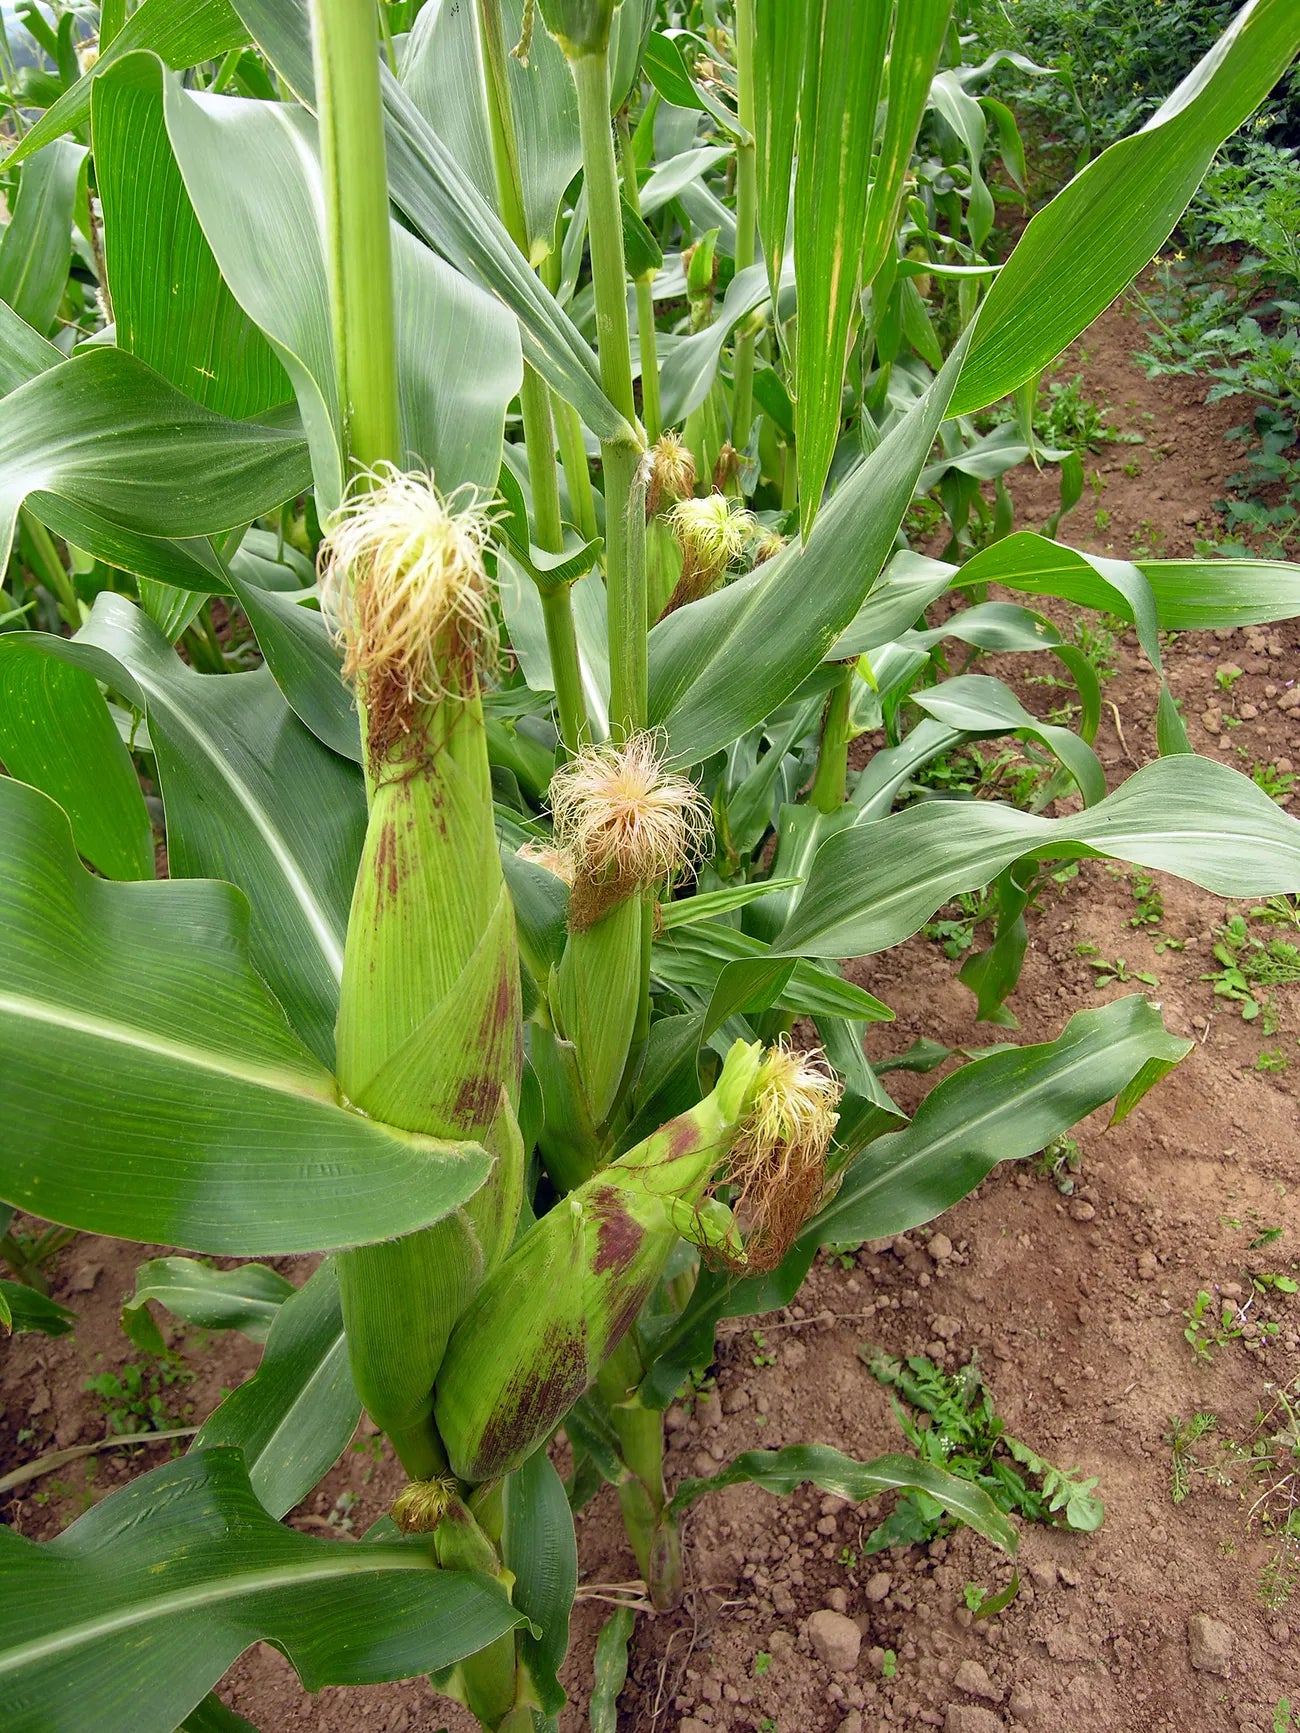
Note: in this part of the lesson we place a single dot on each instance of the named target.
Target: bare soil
(1073, 1305)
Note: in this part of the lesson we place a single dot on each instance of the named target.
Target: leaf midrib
(352, 1560)
(280, 1079)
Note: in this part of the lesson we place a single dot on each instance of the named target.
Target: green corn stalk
(429, 1028)
(543, 1325)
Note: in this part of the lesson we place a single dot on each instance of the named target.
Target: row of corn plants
(543, 389)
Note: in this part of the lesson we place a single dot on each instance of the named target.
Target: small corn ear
(598, 993)
(540, 1328)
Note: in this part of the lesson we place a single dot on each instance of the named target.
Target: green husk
(545, 1322)
(598, 993)
(430, 1033)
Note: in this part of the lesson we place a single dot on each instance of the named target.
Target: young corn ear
(543, 1324)
(712, 534)
(625, 824)
(778, 1159)
(429, 1031)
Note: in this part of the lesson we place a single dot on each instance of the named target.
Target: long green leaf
(610, 1670)
(36, 247)
(125, 1621)
(539, 1547)
(837, 124)
(1005, 1107)
(441, 72)
(781, 1471)
(1094, 237)
(779, 41)
(170, 305)
(115, 459)
(875, 884)
(763, 624)
(444, 206)
(293, 1418)
(23, 352)
(152, 1087)
(918, 33)
(245, 1299)
(977, 703)
(250, 797)
(253, 172)
(57, 734)
(181, 33)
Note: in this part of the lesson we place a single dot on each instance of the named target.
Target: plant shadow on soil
(1074, 1306)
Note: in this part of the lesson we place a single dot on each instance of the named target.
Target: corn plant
(454, 458)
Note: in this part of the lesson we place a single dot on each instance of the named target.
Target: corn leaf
(762, 623)
(917, 37)
(539, 1546)
(1100, 230)
(181, 33)
(23, 1308)
(979, 704)
(36, 245)
(117, 461)
(212, 1716)
(153, 1088)
(837, 123)
(293, 1418)
(250, 797)
(779, 38)
(253, 172)
(144, 1602)
(873, 885)
(245, 1299)
(23, 352)
(1004, 1107)
(441, 71)
(781, 1471)
(57, 734)
(443, 205)
(170, 305)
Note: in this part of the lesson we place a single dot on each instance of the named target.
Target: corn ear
(540, 1328)
(430, 1033)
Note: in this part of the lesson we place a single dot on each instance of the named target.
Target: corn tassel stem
(345, 44)
(624, 516)
(643, 1499)
(829, 789)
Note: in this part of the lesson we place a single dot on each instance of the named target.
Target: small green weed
(1059, 1161)
(1067, 417)
(950, 1420)
(1249, 963)
(1107, 973)
(1184, 1463)
(132, 1398)
(1210, 1327)
(1274, 1463)
(1150, 904)
(762, 1661)
(762, 1355)
(1273, 781)
(889, 1664)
